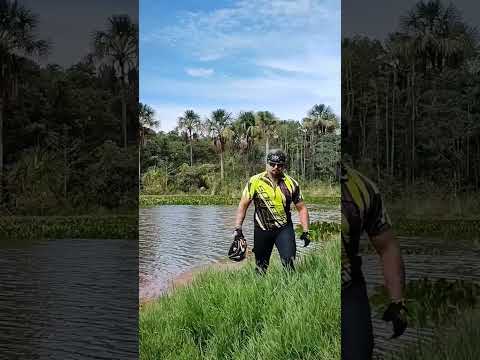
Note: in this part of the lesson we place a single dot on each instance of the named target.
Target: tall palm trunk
(191, 151)
(1, 150)
(65, 161)
(386, 125)
(304, 148)
(414, 112)
(221, 165)
(267, 146)
(124, 105)
(392, 143)
(139, 169)
(140, 158)
(377, 137)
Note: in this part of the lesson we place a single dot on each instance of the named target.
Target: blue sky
(276, 55)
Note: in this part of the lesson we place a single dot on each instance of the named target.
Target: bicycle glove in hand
(397, 314)
(238, 234)
(306, 238)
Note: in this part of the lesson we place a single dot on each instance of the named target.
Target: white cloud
(288, 54)
(199, 72)
(251, 25)
(324, 66)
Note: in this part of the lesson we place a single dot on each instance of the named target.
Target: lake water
(69, 299)
(176, 239)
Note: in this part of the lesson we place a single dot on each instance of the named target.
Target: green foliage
(433, 202)
(238, 146)
(63, 127)
(68, 227)
(321, 230)
(147, 200)
(322, 200)
(460, 341)
(445, 229)
(410, 101)
(159, 200)
(431, 303)
(240, 315)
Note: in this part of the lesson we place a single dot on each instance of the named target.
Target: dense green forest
(218, 154)
(411, 103)
(69, 136)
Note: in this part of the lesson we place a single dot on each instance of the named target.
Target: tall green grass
(460, 343)
(241, 315)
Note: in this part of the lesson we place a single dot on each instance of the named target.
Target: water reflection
(175, 239)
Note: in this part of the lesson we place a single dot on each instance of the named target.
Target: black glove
(397, 314)
(238, 234)
(306, 238)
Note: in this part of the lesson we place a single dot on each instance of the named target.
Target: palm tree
(146, 118)
(17, 37)
(218, 126)
(244, 135)
(437, 33)
(266, 123)
(246, 129)
(119, 47)
(190, 123)
(323, 117)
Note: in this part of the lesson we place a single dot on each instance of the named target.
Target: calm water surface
(176, 239)
(69, 299)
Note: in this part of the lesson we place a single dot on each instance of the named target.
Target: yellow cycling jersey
(272, 202)
(363, 210)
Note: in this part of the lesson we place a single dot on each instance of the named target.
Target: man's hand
(238, 234)
(306, 238)
(397, 314)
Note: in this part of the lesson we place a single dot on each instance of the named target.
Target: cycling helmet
(277, 157)
(238, 249)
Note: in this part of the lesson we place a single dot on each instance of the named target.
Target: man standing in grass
(273, 192)
(363, 211)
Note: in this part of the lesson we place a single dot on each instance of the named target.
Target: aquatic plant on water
(321, 230)
(71, 227)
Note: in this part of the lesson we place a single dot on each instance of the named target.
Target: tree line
(69, 136)
(222, 149)
(411, 103)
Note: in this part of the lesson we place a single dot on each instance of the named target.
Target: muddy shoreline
(187, 277)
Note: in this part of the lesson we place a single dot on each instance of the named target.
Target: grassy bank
(240, 315)
(433, 303)
(182, 199)
(319, 193)
(461, 343)
(434, 204)
(71, 227)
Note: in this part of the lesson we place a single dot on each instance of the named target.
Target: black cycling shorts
(357, 332)
(283, 238)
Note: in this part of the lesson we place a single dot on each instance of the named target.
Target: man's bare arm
(388, 248)
(242, 211)
(303, 215)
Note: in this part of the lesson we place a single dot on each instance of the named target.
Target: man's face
(275, 170)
